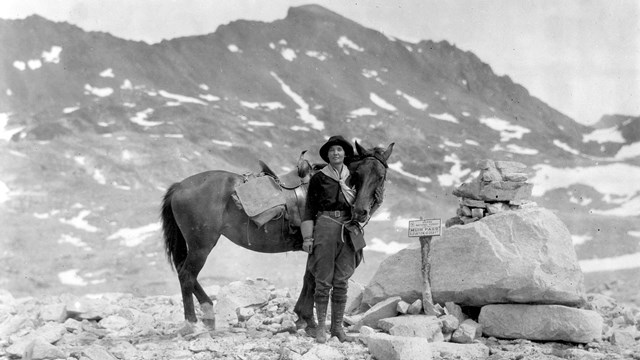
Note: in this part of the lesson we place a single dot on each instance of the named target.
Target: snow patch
(20, 65)
(53, 55)
(516, 149)
(75, 241)
(131, 237)
(107, 73)
(100, 92)
(260, 123)
(628, 151)
(344, 43)
(126, 85)
(322, 56)
(70, 109)
(454, 177)
(381, 102)
(204, 87)
(303, 112)
(209, 97)
(288, 53)
(269, 106)
(565, 147)
(79, 222)
(7, 134)
(397, 167)
(413, 101)
(179, 99)
(223, 143)
(629, 261)
(507, 130)
(141, 118)
(34, 64)
(612, 135)
(234, 48)
(580, 239)
(4, 192)
(71, 277)
(445, 117)
(362, 112)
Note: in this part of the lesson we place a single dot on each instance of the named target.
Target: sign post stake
(425, 247)
(426, 230)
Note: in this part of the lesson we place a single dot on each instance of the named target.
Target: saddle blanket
(259, 195)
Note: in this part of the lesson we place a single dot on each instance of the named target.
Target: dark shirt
(324, 194)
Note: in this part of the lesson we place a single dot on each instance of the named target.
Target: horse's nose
(361, 215)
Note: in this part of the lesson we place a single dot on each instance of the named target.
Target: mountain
(94, 128)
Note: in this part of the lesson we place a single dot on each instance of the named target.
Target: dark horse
(196, 211)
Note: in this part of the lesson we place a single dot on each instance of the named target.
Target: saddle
(262, 203)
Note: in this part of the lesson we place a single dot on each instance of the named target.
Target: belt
(335, 213)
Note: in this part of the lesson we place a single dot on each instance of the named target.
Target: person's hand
(307, 245)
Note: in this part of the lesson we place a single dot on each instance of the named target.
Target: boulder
(388, 347)
(415, 307)
(355, 291)
(42, 349)
(523, 256)
(381, 310)
(467, 332)
(623, 337)
(398, 275)
(541, 322)
(54, 312)
(423, 326)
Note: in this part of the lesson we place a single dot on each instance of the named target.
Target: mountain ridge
(102, 126)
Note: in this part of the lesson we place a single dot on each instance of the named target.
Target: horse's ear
(361, 151)
(387, 152)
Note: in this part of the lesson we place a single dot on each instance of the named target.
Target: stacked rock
(500, 186)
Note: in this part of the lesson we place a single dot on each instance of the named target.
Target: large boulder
(541, 322)
(523, 256)
(398, 275)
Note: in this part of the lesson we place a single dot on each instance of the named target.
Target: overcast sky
(580, 56)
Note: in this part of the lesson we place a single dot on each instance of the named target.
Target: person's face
(336, 155)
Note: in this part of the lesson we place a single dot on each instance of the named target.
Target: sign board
(425, 227)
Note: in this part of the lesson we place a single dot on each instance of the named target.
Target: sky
(582, 57)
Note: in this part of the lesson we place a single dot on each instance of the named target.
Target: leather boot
(321, 310)
(337, 317)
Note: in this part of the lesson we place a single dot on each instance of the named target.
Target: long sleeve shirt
(324, 194)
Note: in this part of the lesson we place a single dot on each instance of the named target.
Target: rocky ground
(121, 326)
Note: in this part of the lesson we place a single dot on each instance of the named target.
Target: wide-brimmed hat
(336, 140)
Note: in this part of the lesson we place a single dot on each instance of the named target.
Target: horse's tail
(174, 242)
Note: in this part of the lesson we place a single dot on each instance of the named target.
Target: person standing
(332, 258)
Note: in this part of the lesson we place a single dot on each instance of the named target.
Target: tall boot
(337, 317)
(321, 310)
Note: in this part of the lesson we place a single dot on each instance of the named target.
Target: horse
(198, 210)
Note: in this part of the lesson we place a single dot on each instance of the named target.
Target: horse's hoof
(210, 323)
(186, 329)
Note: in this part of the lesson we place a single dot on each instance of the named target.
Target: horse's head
(368, 171)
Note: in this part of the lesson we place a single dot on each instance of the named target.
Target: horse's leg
(208, 315)
(304, 305)
(188, 276)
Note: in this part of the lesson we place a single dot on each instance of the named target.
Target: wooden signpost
(425, 229)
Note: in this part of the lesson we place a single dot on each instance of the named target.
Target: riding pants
(333, 260)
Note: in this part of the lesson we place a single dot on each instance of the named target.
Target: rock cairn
(500, 186)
